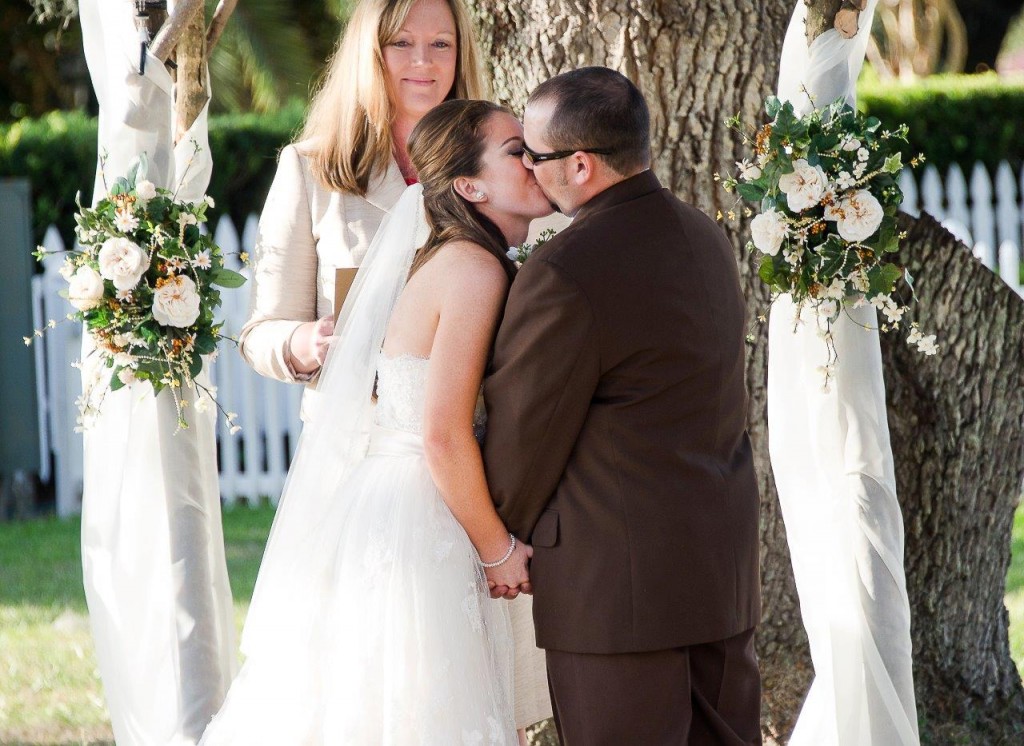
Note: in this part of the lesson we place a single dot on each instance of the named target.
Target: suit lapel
(386, 188)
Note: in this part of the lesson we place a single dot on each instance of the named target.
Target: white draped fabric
(834, 470)
(152, 546)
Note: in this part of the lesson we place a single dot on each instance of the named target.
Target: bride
(371, 621)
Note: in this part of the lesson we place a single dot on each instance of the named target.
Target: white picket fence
(253, 463)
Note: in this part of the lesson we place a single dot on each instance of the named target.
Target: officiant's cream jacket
(305, 233)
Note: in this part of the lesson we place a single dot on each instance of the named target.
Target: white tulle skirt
(407, 646)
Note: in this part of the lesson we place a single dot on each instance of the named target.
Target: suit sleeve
(284, 278)
(545, 372)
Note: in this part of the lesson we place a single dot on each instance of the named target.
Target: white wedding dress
(370, 624)
(408, 647)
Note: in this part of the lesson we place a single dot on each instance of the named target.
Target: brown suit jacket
(616, 440)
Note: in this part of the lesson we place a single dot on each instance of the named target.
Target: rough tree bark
(699, 63)
(957, 425)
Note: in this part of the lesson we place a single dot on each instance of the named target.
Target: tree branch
(220, 19)
(179, 19)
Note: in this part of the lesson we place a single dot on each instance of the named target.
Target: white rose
(176, 302)
(145, 190)
(86, 289)
(123, 262)
(767, 230)
(804, 187)
(861, 216)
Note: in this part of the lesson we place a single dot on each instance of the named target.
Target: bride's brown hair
(446, 144)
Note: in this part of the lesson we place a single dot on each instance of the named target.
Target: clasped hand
(512, 577)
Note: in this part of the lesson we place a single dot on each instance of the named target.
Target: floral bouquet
(145, 285)
(826, 185)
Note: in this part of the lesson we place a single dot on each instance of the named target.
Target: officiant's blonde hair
(347, 134)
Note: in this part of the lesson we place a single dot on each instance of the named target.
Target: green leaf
(772, 106)
(837, 258)
(115, 382)
(893, 164)
(750, 192)
(883, 279)
(888, 237)
(196, 367)
(227, 278)
(205, 344)
(767, 270)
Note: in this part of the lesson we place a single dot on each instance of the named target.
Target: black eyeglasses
(534, 157)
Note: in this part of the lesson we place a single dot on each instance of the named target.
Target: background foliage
(953, 119)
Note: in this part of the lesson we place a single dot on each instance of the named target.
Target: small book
(343, 278)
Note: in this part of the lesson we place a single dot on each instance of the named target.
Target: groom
(616, 439)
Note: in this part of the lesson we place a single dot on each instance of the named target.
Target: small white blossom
(209, 201)
(862, 154)
(202, 404)
(125, 221)
(793, 256)
(67, 270)
(827, 308)
(748, 171)
(845, 180)
(880, 301)
(235, 429)
(849, 143)
(125, 360)
(186, 218)
(859, 169)
(927, 345)
(124, 295)
(202, 260)
(836, 289)
(860, 281)
(126, 376)
(894, 313)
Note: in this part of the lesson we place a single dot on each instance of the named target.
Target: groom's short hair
(595, 107)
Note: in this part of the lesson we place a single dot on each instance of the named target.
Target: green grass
(50, 691)
(1015, 591)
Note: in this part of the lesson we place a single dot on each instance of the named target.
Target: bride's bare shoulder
(461, 263)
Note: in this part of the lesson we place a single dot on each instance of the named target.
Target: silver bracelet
(503, 560)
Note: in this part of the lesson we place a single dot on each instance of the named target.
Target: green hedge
(961, 119)
(954, 118)
(58, 154)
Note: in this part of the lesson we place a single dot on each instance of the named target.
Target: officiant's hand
(513, 577)
(309, 344)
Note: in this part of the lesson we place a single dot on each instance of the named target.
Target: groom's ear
(582, 168)
(466, 189)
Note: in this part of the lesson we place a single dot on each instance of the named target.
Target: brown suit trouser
(700, 695)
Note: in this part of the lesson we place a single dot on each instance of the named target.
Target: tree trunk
(190, 92)
(956, 425)
(699, 63)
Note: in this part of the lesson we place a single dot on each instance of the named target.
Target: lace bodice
(401, 394)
